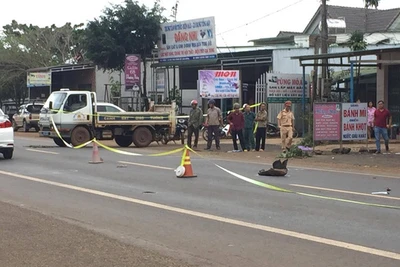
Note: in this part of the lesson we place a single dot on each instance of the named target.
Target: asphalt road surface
(59, 210)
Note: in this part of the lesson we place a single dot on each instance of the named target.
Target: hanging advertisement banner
(327, 118)
(38, 79)
(219, 83)
(354, 121)
(188, 40)
(284, 87)
(132, 71)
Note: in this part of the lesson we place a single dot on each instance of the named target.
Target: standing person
(371, 115)
(249, 118)
(286, 124)
(382, 123)
(236, 121)
(195, 120)
(261, 131)
(213, 121)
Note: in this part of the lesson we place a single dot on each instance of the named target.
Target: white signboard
(188, 40)
(219, 83)
(284, 87)
(354, 121)
(38, 79)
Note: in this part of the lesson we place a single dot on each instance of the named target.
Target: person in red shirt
(236, 121)
(382, 123)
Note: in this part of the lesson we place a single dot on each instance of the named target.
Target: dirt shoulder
(369, 163)
(33, 239)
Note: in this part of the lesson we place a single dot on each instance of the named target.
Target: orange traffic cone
(187, 166)
(95, 155)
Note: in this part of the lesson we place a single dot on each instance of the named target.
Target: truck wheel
(25, 126)
(123, 141)
(79, 136)
(59, 142)
(142, 137)
(8, 154)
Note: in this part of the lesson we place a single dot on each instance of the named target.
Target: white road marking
(321, 240)
(146, 165)
(343, 191)
(42, 151)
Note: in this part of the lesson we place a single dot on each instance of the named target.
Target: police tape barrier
(66, 143)
(136, 154)
(110, 148)
(279, 189)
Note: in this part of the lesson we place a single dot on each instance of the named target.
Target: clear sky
(236, 21)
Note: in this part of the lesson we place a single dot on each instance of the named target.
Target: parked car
(108, 107)
(6, 136)
(27, 117)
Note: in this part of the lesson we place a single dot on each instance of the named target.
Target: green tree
(357, 41)
(371, 3)
(130, 28)
(27, 46)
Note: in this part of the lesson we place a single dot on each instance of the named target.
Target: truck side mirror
(50, 105)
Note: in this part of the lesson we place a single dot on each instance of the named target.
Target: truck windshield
(57, 99)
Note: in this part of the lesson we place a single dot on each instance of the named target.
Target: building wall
(282, 63)
(105, 77)
(382, 77)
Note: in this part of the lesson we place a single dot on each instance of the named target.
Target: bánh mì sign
(354, 121)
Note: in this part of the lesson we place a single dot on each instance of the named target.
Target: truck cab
(75, 115)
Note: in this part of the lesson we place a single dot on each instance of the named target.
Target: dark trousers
(213, 129)
(191, 130)
(238, 133)
(249, 139)
(260, 137)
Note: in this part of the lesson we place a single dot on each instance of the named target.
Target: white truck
(75, 115)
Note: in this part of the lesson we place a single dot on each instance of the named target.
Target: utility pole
(174, 15)
(324, 44)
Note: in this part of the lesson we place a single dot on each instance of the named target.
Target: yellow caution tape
(136, 154)
(65, 142)
(116, 150)
(110, 148)
(255, 127)
(166, 153)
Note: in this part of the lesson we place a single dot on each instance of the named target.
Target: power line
(263, 17)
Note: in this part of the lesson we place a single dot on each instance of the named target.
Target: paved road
(216, 219)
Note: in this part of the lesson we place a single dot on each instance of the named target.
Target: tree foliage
(371, 3)
(129, 28)
(357, 41)
(23, 47)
